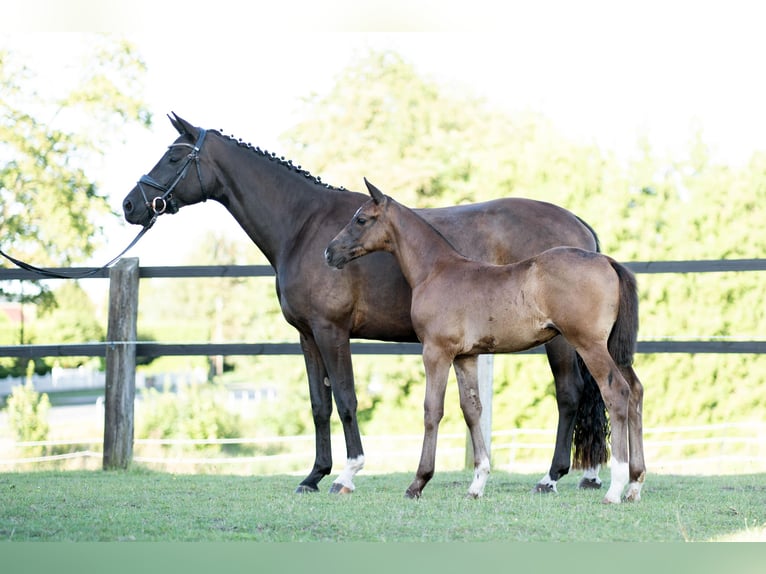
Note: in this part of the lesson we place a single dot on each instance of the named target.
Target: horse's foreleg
(321, 410)
(336, 352)
(466, 369)
(635, 435)
(437, 370)
(616, 393)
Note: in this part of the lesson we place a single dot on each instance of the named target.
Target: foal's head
(367, 231)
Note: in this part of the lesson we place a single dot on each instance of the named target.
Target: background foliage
(428, 144)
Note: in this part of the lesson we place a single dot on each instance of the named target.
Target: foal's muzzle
(333, 258)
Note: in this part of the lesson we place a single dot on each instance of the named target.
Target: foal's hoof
(305, 489)
(589, 484)
(338, 488)
(543, 488)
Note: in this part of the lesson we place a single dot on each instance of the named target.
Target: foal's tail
(624, 335)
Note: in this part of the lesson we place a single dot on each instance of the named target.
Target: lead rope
(89, 273)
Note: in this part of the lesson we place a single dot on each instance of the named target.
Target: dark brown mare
(291, 216)
(462, 307)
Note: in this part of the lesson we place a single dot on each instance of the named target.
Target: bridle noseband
(165, 202)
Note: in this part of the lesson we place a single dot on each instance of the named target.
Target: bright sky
(603, 71)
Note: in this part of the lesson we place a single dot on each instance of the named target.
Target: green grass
(89, 506)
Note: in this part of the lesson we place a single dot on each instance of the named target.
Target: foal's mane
(427, 223)
(278, 160)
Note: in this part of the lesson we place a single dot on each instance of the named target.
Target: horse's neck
(418, 247)
(270, 202)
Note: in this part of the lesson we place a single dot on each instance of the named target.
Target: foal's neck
(418, 247)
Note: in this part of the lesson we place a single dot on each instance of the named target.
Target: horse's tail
(624, 336)
(591, 429)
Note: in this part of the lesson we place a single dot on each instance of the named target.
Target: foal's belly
(507, 341)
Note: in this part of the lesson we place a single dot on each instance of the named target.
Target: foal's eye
(361, 220)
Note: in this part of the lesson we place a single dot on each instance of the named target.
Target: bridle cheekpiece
(165, 202)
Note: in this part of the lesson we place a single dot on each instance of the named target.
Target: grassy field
(139, 505)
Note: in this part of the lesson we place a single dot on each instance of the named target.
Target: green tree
(28, 414)
(49, 203)
(72, 319)
(384, 121)
(430, 145)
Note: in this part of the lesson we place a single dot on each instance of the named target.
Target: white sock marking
(619, 481)
(353, 465)
(480, 476)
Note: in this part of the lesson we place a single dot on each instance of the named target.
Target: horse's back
(511, 229)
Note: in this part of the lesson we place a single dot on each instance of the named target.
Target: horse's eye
(174, 158)
(361, 220)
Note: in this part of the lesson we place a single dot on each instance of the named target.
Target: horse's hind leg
(637, 465)
(616, 393)
(466, 369)
(569, 394)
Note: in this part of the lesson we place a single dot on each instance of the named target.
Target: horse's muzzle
(134, 213)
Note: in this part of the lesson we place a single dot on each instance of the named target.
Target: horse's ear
(375, 193)
(182, 126)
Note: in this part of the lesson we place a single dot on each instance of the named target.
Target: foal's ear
(375, 193)
(182, 126)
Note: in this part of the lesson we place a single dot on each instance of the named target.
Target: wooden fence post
(120, 364)
(485, 368)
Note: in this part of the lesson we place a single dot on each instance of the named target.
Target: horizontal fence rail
(272, 349)
(153, 349)
(178, 271)
(721, 448)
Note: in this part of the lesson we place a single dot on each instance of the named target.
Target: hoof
(608, 500)
(542, 488)
(305, 489)
(338, 488)
(411, 494)
(589, 484)
(633, 494)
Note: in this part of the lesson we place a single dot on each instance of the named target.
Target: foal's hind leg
(616, 393)
(466, 369)
(635, 435)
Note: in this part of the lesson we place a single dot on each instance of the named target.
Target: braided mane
(286, 163)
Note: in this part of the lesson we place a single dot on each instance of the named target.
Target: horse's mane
(279, 160)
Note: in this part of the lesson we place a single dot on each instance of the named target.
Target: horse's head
(166, 188)
(366, 232)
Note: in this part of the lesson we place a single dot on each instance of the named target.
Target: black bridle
(159, 205)
(165, 202)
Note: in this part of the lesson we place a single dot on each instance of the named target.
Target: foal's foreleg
(466, 369)
(437, 370)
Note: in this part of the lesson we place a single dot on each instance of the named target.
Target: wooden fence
(121, 347)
